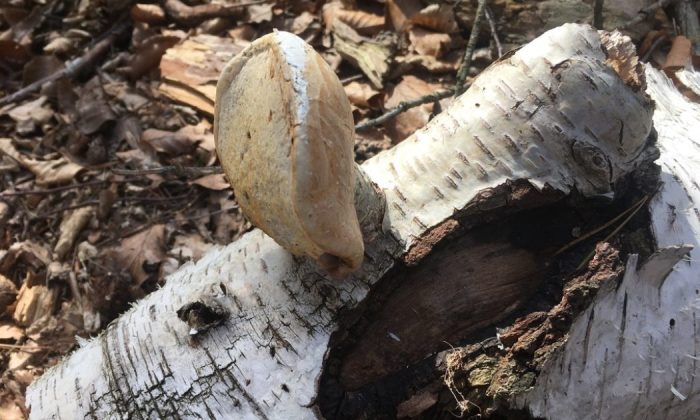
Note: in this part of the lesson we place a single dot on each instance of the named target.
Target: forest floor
(108, 172)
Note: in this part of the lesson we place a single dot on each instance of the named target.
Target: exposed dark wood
(472, 282)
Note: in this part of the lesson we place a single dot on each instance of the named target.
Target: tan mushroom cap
(284, 135)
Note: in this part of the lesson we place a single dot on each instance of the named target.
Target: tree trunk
(268, 335)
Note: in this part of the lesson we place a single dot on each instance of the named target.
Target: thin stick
(598, 14)
(436, 96)
(617, 229)
(494, 34)
(73, 68)
(469, 52)
(187, 15)
(404, 106)
(600, 228)
(188, 171)
(351, 79)
(26, 349)
(52, 190)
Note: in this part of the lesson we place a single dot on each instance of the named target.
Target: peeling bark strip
(265, 359)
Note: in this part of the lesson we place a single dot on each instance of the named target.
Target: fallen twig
(186, 171)
(494, 34)
(604, 226)
(26, 349)
(52, 190)
(351, 79)
(184, 14)
(460, 85)
(74, 67)
(404, 106)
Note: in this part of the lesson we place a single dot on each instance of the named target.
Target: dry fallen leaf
(8, 293)
(361, 94)
(130, 97)
(430, 43)
(35, 256)
(169, 143)
(372, 56)
(139, 253)
(190, 247)
(215, 182)
(47, 172)
(19, 359)
(364, 23)
(414, 62)
(94, 111)
(408, 122)
(70, 228)
(190, 70)
(401, 11)
(148, 54)
(11, 333)
(201, 133)
(259, 13)
(41, 67)
(438, 17)
(229, 223)
(301, 23)
(31, 115)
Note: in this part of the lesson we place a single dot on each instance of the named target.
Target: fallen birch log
(634, 353)
(566, 113)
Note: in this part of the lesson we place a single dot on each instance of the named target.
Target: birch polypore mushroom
(284, 135)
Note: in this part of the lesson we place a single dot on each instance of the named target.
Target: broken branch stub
(554, 113)
(284, 135)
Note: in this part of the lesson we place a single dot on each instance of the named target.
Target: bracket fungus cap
(284, 135)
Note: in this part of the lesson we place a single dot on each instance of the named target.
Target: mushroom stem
(370, 204)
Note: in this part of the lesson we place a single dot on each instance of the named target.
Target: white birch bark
(635, 352)
(545, 114)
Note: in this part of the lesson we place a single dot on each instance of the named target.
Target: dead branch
(183, 14)
(494, 33)
(403, 107)
(74, 67)
(185, 171)
(463, 71)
